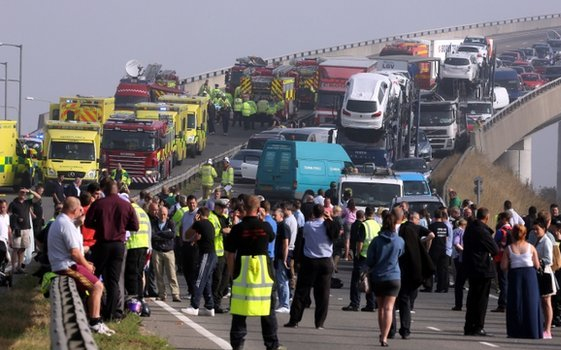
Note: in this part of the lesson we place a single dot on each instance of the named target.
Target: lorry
(144, 85)
(376, 189)
(71, 149)
(445, 128)
(197, 120)
(177, 113)
(333, 75)
(143, 147)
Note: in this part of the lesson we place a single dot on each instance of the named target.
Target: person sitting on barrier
(66, 254)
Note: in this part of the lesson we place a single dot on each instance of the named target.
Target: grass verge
(25, 321)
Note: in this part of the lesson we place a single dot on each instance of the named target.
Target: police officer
(238, 104)
(208, 174)
(120, 175)
(250, 266)
(227, 177)
(137, 248)
(262, 107)
(225, 109)
(247, 114)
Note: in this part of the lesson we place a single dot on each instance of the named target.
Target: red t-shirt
(87, 233)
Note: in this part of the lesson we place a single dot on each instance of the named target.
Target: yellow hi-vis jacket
(371, 228)
(247, 111)
(140, 238)
(238, 104)
(208, 174)
(218, 239)
(228, 176)
(251, 290)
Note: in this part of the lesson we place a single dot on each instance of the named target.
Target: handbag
(364, 282)
(545, 282)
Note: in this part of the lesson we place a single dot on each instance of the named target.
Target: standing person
(438, 255)
(190, 250)
(282, 269)
(367, 231)
(73, 188)
(20, 223)
(247, 258)
(331, 193)
(227, 180)
(5, 230)
(216, 196)
(479, 248)
(225, 115)
(137, 247)
(238, 104)
(523, 317)
(515, 218)
(58, 190)
(110, 217)
(38, 218)
(316, 269)
(530, 218)
(208, 174)
(544, 247)
(121, 176)
(383, 261)
(339, 244)
(291, 224)
(219, 276)
(458, 243)
(415, 265)
(88, 234)
(455, 200)
(211, 117)
(203, 233)
(502, 238)
(163, 234)
(349, 216)
(67, 258)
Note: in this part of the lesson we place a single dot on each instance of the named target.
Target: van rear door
(276, 171)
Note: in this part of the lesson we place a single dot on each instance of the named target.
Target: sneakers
(101, 328)
(368, 309)
(191, 311)
(499, 309)
(547, 335)
(206, 312)
(349, 308)
(283, 310)
(176, 299)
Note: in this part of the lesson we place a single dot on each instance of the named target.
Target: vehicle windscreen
(415, 188)
(128, 102)
(436, 118)
(478, 108)
(468, 49)
(456, 61)
(372, 194)
(509, 84)
(540, 63)
(129, 140)
(479, 41)
(295, 136)
(431, 207)
(329, 100)
(553, 70)
(531, 77)
(361, 106)
(72, 150)
(256, 143)
(416, 165)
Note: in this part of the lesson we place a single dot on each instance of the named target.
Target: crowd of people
(268, 257)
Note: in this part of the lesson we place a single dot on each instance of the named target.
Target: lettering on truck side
(308, 167)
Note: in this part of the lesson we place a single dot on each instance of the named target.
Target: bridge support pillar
(518, 158)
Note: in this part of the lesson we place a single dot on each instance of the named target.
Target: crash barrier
(69, 324)
(486, 28)
(529, 113)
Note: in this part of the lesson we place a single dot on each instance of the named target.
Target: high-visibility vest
(371, 229)
(125, 179)
(238, 104)
(207, 175)
(272, 109)
(218, 239)
(246, 109)
(178, 217)
(262, 106)
(140, 238)
(251, 290)
(228, 176)
(237, 91)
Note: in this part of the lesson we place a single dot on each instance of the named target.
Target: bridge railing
(322, 51)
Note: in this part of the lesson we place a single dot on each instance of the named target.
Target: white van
(500, 98)
(365, 102)
(310, 134)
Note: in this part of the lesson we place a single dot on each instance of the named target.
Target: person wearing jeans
(163, 255)
(281, 262)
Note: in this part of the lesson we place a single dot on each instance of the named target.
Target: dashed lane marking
(489, 344)
(435, 329)
(198, 328)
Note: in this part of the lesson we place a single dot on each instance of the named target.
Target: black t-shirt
(249, 237)
(38, 211)
(440, 231)
(282, 233)
(58, 189)
(355, 228)
(20, 214)
(206, 230)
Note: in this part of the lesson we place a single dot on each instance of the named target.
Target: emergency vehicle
(85, 109)
(8, 156)
(274, 89)
(72, 149)
(177, 113)
(307, 82)
(197, 119)
(423, 73)
(143, 147)
(245, 66)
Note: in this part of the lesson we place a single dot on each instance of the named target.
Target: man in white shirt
(515, 218)
(66, 256)
(189, 250)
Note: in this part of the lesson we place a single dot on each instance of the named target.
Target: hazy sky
(80, 47)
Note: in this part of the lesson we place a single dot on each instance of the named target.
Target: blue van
(414, 184)
(288, 168)
(511, 81)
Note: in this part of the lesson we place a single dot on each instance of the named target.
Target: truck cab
(440, 122)
(375, 190)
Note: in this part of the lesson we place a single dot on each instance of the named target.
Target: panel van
(288, 168)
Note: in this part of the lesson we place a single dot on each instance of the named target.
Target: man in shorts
(66, 254)
(20, 222)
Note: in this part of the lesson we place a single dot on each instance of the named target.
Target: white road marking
(435, 329)
(489, 344)
(223, 344)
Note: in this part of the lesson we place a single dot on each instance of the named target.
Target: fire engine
(143, 147)
(245, 66)
(271, 88)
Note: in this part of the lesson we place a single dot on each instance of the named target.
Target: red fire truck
(143, 147)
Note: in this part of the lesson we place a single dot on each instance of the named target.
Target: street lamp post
(20, 47)
(5, 64)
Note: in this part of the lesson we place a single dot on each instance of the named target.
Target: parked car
(480, 52)
(415, 165)
(460, 66)
(417, 203)
(310, 134)
(532, 80)
(424, 147)
(511, 81)
(527, 67)
(244, 156)
(539, 64)
(552, 72)
(529, 52)
(518, 69)
(258, 141)
(543, 50)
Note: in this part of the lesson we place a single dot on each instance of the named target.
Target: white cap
(227, 160)
(209, 161)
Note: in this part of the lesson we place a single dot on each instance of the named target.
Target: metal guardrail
(287, 57)
(69, 325)
(518, 103)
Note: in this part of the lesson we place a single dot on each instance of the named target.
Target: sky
(81, 47)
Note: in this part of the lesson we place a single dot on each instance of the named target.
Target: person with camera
(20, 223)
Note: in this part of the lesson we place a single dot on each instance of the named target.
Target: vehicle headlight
(51, 172)
(152, 173)
(190, 138)
(92, 174)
